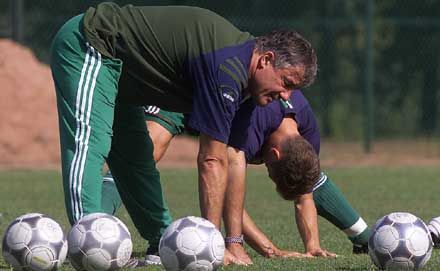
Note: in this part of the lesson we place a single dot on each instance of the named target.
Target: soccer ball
(191, 243)
(99, 241)
(434, 228)
(34, 242)
(400, 241)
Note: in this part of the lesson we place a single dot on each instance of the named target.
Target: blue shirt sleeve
(214, 107)
(299, 107)
(218, 80)
(246, 135)
(308, 127)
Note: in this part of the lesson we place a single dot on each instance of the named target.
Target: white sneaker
(153, 260)
(137, 263)
(134, 263)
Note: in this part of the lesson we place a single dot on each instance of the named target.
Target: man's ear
(266, 59)
(274, 154)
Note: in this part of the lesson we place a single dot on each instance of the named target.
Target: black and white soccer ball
(99, 241)
(34, 242)
(434, 228)
(400, 241)
(191, 243)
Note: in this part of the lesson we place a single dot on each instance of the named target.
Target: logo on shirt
(151, 109)
(228, 96)
(228, 93)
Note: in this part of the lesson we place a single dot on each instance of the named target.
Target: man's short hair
(291, 49)
(297, 170)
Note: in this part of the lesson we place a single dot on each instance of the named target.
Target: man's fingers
(293, 254)
(331, 254)
(327, 254)
(246, 261)
(237, 261)
(240, 262)
(229, 258)
(240, 253)
(228, 261)
(323, 253)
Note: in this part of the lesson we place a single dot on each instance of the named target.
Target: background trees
(406, 54)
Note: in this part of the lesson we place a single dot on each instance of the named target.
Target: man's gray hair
(290, 49)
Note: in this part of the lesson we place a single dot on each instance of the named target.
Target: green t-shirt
(156, 44)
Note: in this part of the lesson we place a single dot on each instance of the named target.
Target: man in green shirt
(110, 60)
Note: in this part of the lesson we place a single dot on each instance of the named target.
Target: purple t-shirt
(218, 79)
(249, 134)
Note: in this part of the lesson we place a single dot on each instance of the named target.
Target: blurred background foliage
(404, 77)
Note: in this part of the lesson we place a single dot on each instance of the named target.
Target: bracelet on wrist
(234, 240)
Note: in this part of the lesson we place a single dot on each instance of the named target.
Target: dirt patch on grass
(28, 120)
(29, 126)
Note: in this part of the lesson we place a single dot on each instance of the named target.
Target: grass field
(372, 191)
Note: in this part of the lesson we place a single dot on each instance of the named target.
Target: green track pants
(94, 128)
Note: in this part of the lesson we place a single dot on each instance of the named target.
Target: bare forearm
(307, 222)
(235, 192)
(262, 244)
(212, 164)
(212, 187)
(256, 238)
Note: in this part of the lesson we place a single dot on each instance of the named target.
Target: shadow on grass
(5, 267)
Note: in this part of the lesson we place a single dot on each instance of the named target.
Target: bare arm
(212, 164)
(255, 237)
(307, 223)
(234, 201)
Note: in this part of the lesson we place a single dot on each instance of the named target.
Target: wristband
(234, 240)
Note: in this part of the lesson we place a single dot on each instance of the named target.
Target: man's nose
(286, 94)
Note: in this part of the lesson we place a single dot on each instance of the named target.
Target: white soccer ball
(400, 241)
(34, 242)
(190, 244)
(99, 241)
(434, 228)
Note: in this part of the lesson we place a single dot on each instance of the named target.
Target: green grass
(374, 192)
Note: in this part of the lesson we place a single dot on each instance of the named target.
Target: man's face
(271, 84)
(270, 157)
